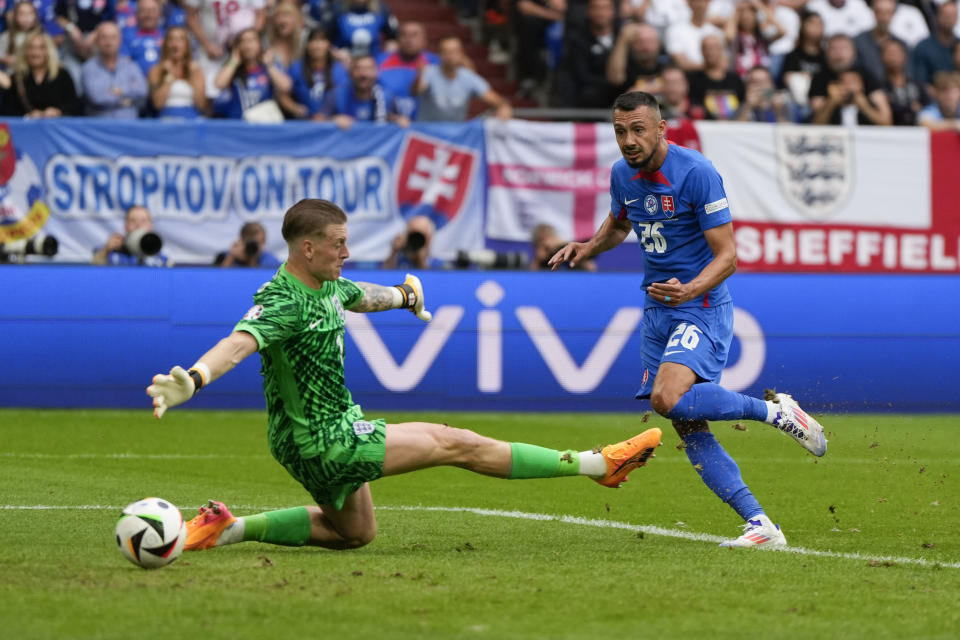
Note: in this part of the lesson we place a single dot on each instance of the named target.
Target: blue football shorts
(696, 337)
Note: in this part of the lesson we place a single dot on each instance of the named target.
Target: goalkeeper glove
(412, 292)
(173, 389)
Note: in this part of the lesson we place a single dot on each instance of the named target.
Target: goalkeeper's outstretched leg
(349, 522)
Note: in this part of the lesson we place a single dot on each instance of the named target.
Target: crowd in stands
(257, 60)
(886, 62)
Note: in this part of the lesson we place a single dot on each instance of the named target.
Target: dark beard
(642, 163)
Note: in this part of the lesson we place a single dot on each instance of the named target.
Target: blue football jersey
(312, 92)
(669, 210)
(143, 46)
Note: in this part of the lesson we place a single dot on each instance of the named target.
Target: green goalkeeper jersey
(299, 333)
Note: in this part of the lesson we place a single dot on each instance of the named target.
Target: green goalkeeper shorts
(353, 458)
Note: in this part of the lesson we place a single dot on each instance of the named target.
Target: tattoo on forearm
(375, 298)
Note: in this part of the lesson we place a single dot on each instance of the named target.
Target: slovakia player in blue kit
(673, 199)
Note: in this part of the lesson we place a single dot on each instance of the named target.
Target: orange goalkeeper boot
(624, 457)
(205, 529)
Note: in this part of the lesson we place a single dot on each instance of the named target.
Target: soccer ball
(151, 533)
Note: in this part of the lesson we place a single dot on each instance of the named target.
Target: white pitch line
(565, 519)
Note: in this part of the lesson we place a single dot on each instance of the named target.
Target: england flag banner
(804, 198)
(553, 173)
(850, 199)
(202, 181)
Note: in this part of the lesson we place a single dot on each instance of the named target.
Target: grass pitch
(639, 561)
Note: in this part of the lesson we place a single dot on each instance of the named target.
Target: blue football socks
(719, 472)
(709, 401)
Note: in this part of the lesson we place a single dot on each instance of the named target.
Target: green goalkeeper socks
(287, 527)
(531, 461)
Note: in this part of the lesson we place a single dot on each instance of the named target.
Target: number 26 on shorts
(685, 335)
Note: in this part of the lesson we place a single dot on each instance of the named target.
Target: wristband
(409, 295)
(197, 380)
(200, 373)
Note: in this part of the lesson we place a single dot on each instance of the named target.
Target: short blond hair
(310, 216)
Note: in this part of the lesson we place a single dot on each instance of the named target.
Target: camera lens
(415, 241)
(251, 248)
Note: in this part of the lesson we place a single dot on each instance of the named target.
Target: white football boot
(758, 532)
(798, 424)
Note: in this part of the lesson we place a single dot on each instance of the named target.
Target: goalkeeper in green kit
(315, 429)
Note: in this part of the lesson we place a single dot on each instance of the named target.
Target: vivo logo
(573, 377)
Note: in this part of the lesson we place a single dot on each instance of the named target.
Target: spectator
(869, 43)
(39, 87)
(762, 101)
(177, 84)
(24, 20)
(944, 112)
(174, 14)
(806, 61)
(582, 80)
(314, 77)
(675, 102)
(79, 19)
(46, 11)
(849, 102)
(144, 42)
(750, 31)
(675, 109)
(716, 88)
(250, 79)
(841, 55)
(905, 95)
(363, 98)
(908, 24)
(411, 249)
(533, 21)
(660, 14)
(398, 69)
(789, 19)
(936, 52)
(247, 250)
(544, 242)
(635, 63)
(683, 40)
(446, 89)
(113, 85)
(318, 13)
(848, 17)
(126, 15)
(358, 25)
(138, 246)
(214, 25)
(285, 33)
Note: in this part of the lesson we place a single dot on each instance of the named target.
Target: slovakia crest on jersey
(434, 178)
(667, 203)
(815, 168)
(650, 204)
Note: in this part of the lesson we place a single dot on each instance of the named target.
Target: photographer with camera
(247, 250)
(411, 249)
(139, 245)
